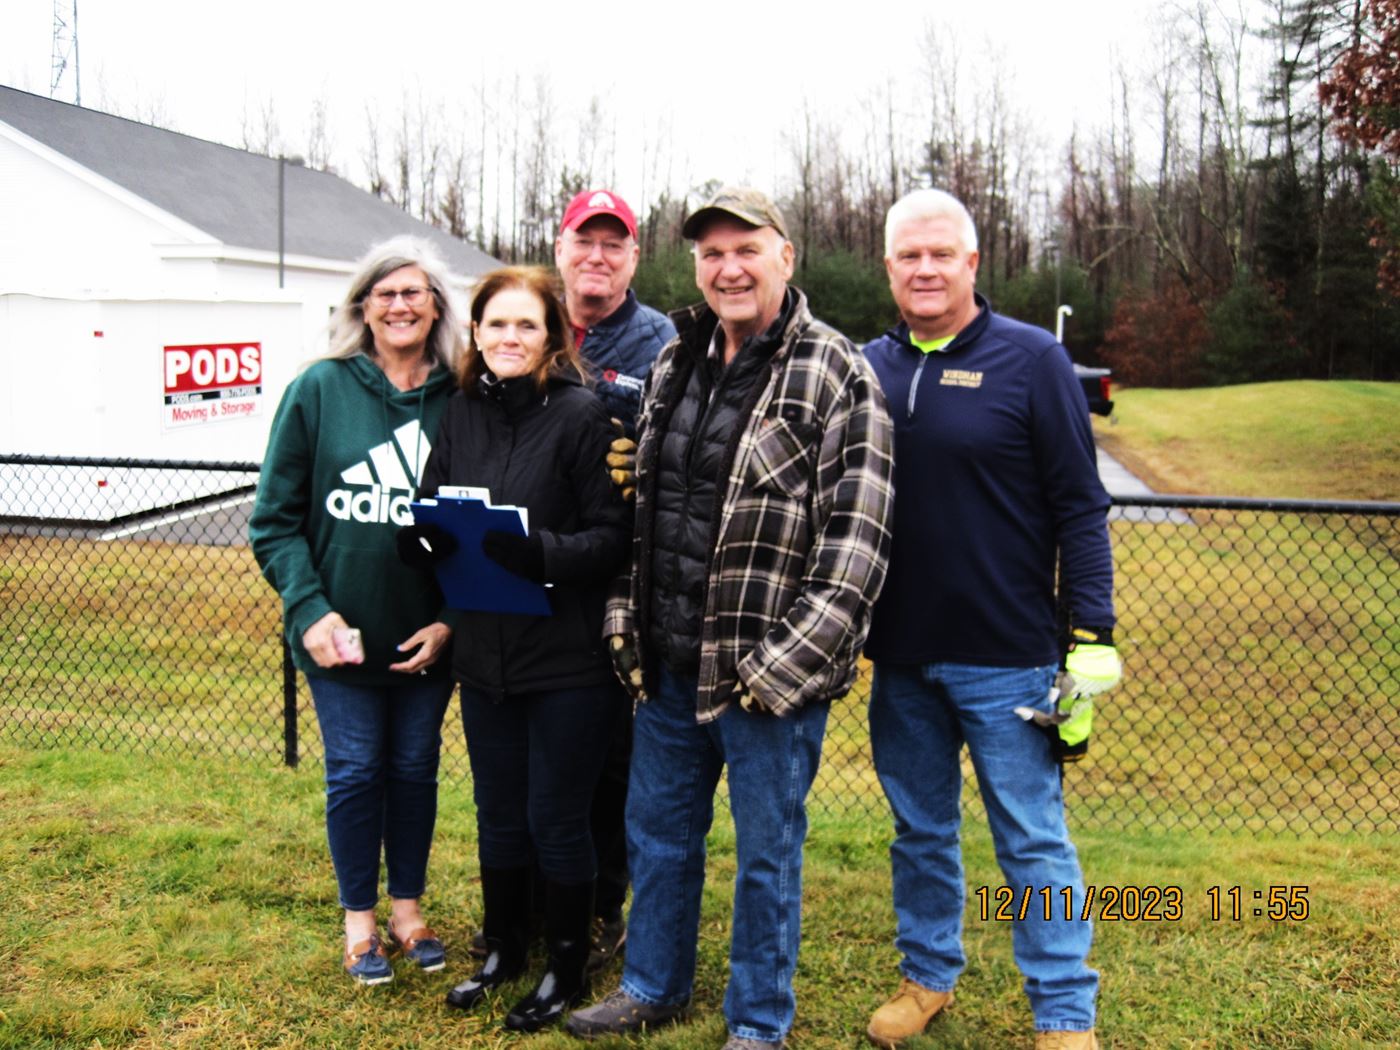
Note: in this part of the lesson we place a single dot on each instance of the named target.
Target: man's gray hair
(349, 333)
(930, 204)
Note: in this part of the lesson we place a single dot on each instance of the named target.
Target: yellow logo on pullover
(960, 377)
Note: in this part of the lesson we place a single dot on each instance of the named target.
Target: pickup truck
(1095, 384)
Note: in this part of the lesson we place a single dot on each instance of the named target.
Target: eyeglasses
(583, 245)
(411, 296)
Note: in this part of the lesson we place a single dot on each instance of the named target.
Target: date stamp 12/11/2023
(1145, 903)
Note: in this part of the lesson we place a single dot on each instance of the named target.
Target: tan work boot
(1085, 1040)
(906, 1013)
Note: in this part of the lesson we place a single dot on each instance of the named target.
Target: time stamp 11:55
(1146, 903)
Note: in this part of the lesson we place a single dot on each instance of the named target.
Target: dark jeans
(535, 761)
(382, 744)
(609, 817)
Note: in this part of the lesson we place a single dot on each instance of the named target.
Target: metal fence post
(289, 705)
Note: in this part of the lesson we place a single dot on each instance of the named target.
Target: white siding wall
(60, 233)
(72, 392)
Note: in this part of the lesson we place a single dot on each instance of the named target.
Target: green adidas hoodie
(346, 451)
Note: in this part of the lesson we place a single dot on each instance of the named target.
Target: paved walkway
(1120, 481)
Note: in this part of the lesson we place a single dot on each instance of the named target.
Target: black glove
(423, 546)
(522, 555)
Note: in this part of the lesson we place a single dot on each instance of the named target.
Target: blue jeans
(536, 759)
(920, 716)
(382, 744)
(676, 765)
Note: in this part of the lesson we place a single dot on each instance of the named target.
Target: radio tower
(65, 48)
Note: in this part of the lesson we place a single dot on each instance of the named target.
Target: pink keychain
(349, 645)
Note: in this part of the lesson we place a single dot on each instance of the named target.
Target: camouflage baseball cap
(740, 202)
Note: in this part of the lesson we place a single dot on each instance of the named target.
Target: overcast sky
(731, 76)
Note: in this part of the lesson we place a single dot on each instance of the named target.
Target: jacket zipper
(914, 386)
(500, 625)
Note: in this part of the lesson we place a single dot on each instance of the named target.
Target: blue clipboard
(468, 578)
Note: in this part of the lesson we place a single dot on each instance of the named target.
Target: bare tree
(374, 170)
(261, 132)
(318, 140)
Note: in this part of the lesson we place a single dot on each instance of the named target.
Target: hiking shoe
(906, 1013)
(618, 1014)
(608, 939)
(1085, 1040)
(739, 1042)
(366, 962)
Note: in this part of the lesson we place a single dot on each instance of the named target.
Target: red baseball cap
(591, 203)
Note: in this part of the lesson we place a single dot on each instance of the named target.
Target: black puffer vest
(695, 454)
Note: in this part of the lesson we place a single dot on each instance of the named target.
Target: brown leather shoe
(1085, 1040)
(906, 1013)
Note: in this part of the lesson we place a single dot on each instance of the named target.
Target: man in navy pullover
(996, 479)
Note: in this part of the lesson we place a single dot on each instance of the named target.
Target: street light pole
(282, 162)
(1064, 311)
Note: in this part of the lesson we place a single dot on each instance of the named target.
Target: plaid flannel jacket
(801, 536)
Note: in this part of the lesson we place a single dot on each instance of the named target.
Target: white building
(157, 291)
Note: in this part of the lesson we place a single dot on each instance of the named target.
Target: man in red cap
(596, 252)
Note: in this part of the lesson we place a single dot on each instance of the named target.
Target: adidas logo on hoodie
(384, 471)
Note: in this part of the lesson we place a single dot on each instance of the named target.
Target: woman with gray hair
(347, 448)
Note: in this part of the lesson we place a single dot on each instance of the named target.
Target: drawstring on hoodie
(384, 388)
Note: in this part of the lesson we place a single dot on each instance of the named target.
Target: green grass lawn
(164, 902)
(1296, 440)
(164, 892)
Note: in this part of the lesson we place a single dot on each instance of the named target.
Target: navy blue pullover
(620, 350)
(995, 472)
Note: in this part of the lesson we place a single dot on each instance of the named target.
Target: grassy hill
(1306, 439)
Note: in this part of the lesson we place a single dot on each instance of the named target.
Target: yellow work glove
(1092, 667)
(622, 462)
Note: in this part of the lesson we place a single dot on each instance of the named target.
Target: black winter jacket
(545, 452)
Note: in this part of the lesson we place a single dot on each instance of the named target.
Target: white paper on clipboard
(483, 494)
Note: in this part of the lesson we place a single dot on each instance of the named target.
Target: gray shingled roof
(229, 193)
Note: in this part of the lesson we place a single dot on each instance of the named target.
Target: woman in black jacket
(539, 699)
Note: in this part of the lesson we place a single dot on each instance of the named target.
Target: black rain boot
(505, 893)
(568, 916)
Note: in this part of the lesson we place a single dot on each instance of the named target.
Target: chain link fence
(1259, 638)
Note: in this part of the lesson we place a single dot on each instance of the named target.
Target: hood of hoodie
(372, 377)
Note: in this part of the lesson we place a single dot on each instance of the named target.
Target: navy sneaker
(422, 946)
(366, 962)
